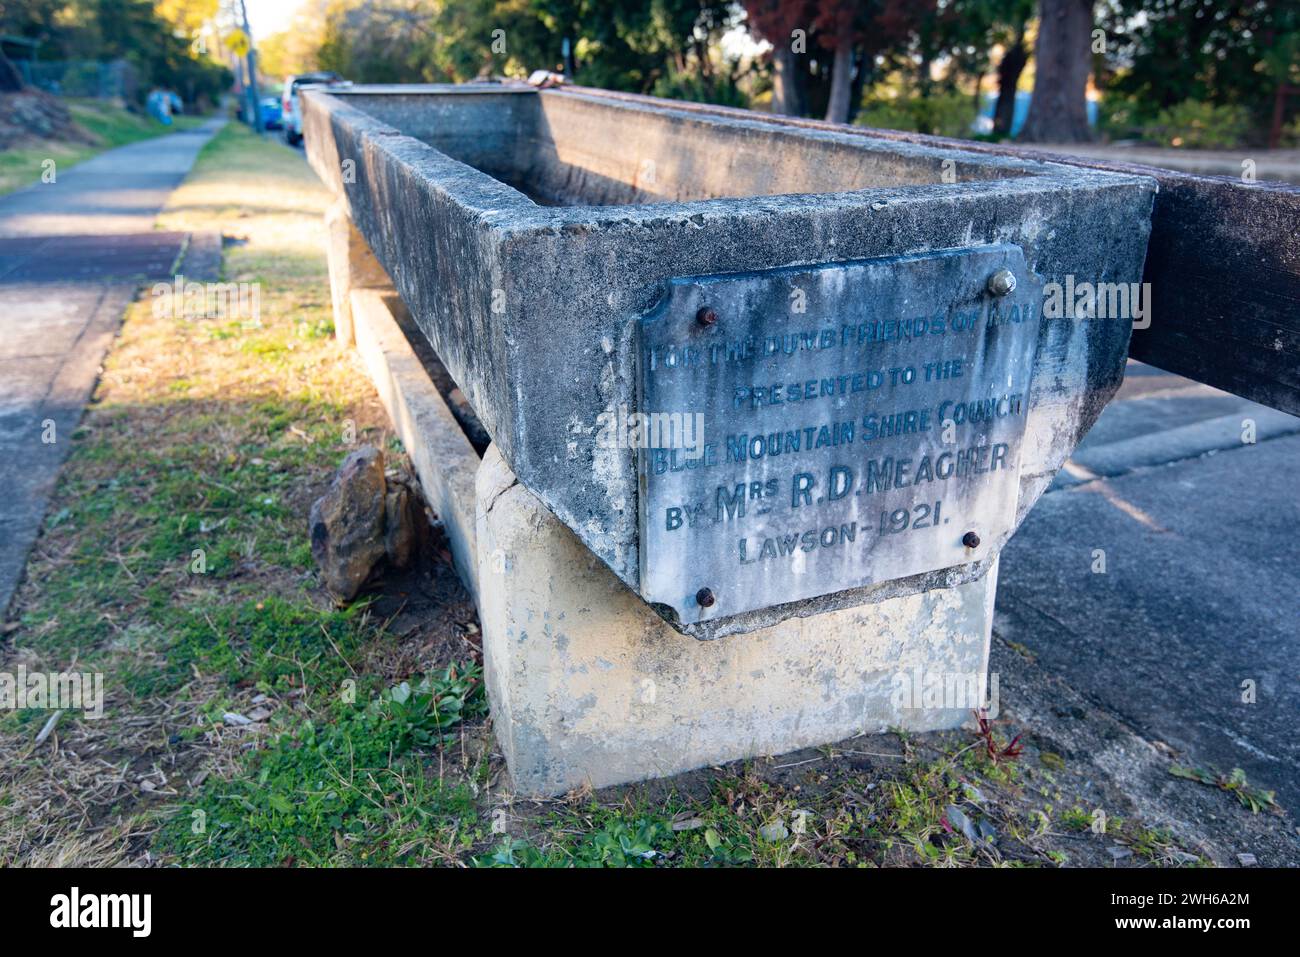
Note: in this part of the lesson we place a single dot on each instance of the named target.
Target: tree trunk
(864, 62)
(837, 110)
(1058, 113)
(1009, 70)
(787, 97)
(11, 81)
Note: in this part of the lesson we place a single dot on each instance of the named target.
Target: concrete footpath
(1155, 586)
(72, 255)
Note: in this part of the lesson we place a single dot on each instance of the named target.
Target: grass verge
(247, 720)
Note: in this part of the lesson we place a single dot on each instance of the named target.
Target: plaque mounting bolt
(705, 597)
(970, 540)
(706, 316)
(1002, 282)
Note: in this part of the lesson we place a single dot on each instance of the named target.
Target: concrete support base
(351, 266)
(442, 457)
(589, 686)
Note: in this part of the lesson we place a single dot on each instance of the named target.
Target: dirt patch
(32, 116)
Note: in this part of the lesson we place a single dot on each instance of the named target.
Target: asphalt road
(1159, 577)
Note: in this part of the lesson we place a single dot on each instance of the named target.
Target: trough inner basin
(573, 150)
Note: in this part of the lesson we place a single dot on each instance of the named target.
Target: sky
(270, 16)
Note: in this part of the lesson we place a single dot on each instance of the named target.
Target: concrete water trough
(786, 388)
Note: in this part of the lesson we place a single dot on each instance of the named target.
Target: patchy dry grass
(250, 722)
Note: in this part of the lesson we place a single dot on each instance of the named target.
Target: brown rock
(399, 524)
(348, 521)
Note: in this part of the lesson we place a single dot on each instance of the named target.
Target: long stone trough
(786, 389)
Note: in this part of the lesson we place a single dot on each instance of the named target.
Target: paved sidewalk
(120, 191)
(62, 296)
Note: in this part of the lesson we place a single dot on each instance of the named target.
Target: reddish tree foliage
(853, 31)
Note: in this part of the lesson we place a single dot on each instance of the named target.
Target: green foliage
(636, 835)
(426, 713)
(1164, 54)
(667, 46)
(1076, 819)
(333, 789)
(943, 114)
(512, 853)
(273, 643)
(621, 845)
(1190, 124)
(1122, 117)
(1291, 134)
(1195, 125)
(131, 30)
(723, 91)
(724, 853)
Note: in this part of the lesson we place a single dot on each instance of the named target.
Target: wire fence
(82, 78)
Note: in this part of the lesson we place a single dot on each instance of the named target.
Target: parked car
(290, 114)
(269, 106)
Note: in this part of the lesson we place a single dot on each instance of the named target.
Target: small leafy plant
(996, 752)
(1256, 799)
(426, 712)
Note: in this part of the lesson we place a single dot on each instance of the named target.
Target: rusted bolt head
(970, 540)
(706, 316)
(1002, 282)
(705, 597)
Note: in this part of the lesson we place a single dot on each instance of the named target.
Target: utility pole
(250, 88)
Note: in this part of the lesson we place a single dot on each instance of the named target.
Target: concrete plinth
(589, 686)
(351, 266)
(442, 456)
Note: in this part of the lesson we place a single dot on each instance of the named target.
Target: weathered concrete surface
(53, 335)
(351, 266)
(588, 686)
(1282, 165)
(533, 308)
(1199, 589)
(1224, 269)
(443, 458)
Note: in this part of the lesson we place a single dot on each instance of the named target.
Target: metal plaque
(806, 430)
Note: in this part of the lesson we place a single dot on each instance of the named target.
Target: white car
(290, 115)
